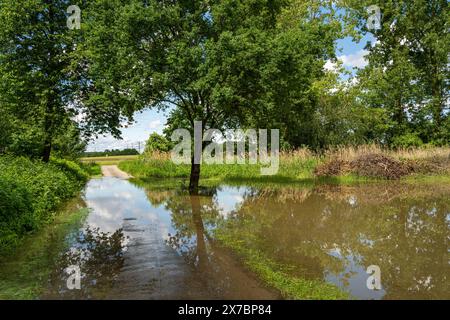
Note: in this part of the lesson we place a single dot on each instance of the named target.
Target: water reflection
(149, 243)
(336, 233)
(99, 255)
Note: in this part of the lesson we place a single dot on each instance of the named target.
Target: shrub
(71, 168)
(30, 192)
(408, 140)
(157, 143)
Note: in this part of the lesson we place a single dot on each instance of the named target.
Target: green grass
(297, 167)
(293, 171)
(111, 160)
(32, 191)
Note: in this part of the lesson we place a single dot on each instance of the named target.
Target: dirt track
(114, 171)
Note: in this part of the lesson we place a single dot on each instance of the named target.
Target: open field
(112, 160)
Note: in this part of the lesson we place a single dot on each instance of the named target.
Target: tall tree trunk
(194, 178)
(47, 150)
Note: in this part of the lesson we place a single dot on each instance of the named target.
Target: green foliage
(72, 169)
(157, 143)
(37, 89)
(92, 168)
(406, 141)
(30, 193)
(226, 63)
(407, 74)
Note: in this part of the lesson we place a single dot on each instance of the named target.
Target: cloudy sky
(350, 53)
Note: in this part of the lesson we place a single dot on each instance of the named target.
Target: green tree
(224, 63)
(408, 73)
(35, 48)
(157, 142)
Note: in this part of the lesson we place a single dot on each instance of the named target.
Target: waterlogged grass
(277, 275)
(24, 274)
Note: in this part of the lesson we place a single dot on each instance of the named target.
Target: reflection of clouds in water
(117, 204)
(229, 199)
(353, 279)
(123, 195)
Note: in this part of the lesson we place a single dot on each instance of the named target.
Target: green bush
(157, 143)
(31, 191)
(71, 168)
(408, 140)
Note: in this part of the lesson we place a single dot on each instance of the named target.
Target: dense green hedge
(31, 191)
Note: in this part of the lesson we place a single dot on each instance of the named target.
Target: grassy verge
(293, 167)
(339, 165)
(31, 192)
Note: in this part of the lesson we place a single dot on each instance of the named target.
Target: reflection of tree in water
(192, 217)
(406, 236)
(403, 230)
(99, 256)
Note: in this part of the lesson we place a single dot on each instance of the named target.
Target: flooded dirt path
(114, 171)
(135, 256)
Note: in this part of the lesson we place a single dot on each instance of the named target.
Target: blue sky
(350, 53)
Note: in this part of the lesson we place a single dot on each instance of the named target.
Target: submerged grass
(24, 274)
(277, 275)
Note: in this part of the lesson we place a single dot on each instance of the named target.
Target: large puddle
(148, 243)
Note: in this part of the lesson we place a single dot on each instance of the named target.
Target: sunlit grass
(110, 160)
(295, 166)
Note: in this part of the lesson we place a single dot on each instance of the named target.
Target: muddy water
(335, 233)
(145, 242)
(133, 246)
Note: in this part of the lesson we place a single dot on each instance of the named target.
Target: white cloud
(355, 60)
(155, 124)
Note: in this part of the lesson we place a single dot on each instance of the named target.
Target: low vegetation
(348, 164)
(31, 192)
(375, 162)
(108, 160)
(275, 274)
